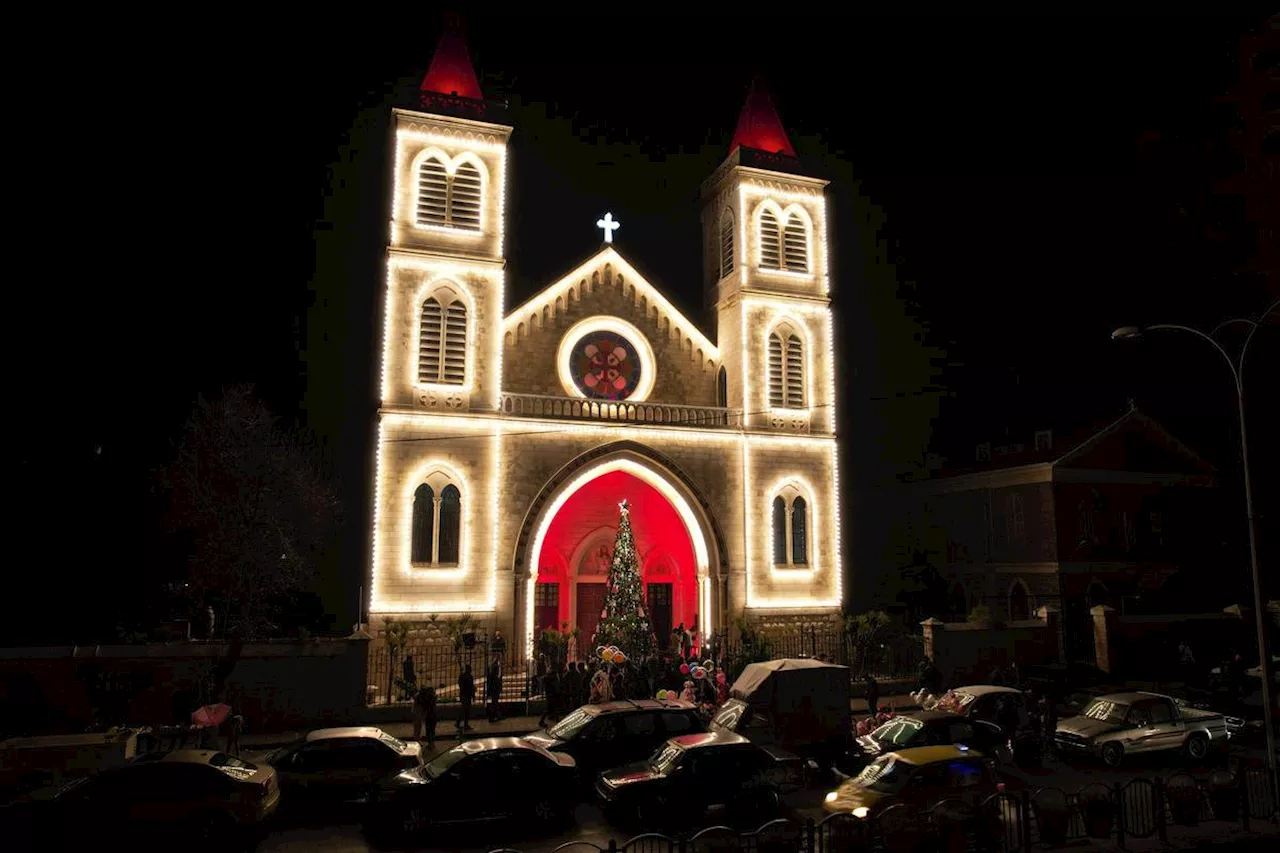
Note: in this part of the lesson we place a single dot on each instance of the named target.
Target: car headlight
(861, 812)
(831, 798)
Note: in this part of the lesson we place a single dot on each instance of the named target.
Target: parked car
(341, 763)
(1121, 724)
(689, 775)
(983, 702)
(919, 777)
(189, 795)
(486, 779)
(614, 733)
(932, 728)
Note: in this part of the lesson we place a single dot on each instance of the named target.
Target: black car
(932, 728)
(687, 776)
(486, 779)
(341, 763)
(614, 733)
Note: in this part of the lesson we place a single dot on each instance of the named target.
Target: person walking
(551, 697)
(466, 694)
(409, 677)
(493, 691)
(873, 694)
(424, 714)
(572, 687)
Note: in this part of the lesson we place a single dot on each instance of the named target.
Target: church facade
(508, 434)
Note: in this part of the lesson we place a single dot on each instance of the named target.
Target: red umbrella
(211, 716)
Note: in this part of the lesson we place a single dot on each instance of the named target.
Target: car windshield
(232, 766)
(887, 775)
(1108, 712)
(899, 732)
(666, 758)
(395, 743)
(440, 765)
(570, 725)
(727, 717)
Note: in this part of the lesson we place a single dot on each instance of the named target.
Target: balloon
(709, 664)
(599, 650)
(684, 669)
(606, 656)
(619, 657)
(720, 679)
(699, 673)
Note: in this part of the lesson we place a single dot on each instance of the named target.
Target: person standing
(234, 727)
(551, 697)
(572, 687)
(873, 694)
(409, 677)
(493, 691)
(466, 694)
(424, 714)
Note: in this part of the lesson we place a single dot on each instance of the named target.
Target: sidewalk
(514, 726)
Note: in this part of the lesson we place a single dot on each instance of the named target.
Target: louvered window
(442, 342)
(770, 241)
(449, 200)
(777, 396)
(726, 243)
(786, 371)
(795, 244)
(779, 531)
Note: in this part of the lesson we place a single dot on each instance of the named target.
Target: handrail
(576, 408)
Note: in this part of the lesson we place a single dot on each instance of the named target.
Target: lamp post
(1237, 373)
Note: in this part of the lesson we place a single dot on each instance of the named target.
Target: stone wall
(276, 685)
(967, 652)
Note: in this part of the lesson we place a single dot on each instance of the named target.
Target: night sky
(212, 206)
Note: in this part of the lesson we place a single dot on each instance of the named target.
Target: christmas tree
(624, 622)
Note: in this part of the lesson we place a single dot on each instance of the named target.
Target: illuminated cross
(609, 226)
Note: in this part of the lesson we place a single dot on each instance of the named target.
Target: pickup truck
(1120, 724)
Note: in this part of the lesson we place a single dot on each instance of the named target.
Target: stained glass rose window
(605, 366)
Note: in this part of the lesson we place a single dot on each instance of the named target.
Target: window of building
(726, 243)
(722, 389)
(1019, 602)
(790, 523)
(786, 369)
(784, 243)
(442, 339)
(449, 200)
(436, 532)
(1016, 519)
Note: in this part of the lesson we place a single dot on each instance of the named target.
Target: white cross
(609, 226)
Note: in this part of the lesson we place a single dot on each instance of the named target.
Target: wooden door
(546, 607)
(659, 604)
(590, 604)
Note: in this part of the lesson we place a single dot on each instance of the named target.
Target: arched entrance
(573, 527)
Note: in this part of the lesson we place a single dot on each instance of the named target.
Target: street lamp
(1237, 373)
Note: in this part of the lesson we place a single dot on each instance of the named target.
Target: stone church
(509, 434)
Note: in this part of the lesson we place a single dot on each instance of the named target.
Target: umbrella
(211, 715)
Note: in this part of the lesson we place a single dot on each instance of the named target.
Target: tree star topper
(624, 507)
(609, 226)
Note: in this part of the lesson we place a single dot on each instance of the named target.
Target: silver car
(1120, 724)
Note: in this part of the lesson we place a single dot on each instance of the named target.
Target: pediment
(677, 361)
(1139, 444)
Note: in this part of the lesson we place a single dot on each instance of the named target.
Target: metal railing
(440, 665)
(572, 408)
(1005, 822)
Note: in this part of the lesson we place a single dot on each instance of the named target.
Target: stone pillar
(1052, 620)
(929, 626)
(1104, 631)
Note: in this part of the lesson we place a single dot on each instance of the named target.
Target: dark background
(205, 203)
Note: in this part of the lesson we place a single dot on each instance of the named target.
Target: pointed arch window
(726, 243)
(790, 525)
(722, 389)
(1019, 602)
(786, 369)
(784, 244)
(449, 199)
(436, 533)
(442, 340)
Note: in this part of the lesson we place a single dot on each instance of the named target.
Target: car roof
(489, 744)
(621, 706)
(704, 739)
(344, 731)
(183, 756)
(929, 716)
(920, 755)
(1130, 696)
(985, 689)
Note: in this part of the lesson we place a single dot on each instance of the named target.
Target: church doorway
(577, 549)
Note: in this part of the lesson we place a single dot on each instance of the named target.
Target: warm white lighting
(785, 316)
(434, 573)
(783, 216)
(609, 255)
(861, 812)
(836, 540)
(429, 287)
(830, 367)
(791, 571)
(754, 189)
(617, 326)
(609, 226)
(450, 168)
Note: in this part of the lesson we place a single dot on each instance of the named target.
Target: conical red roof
(758, 124)
(451, 71)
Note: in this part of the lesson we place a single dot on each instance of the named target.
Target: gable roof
(609, 257)
(1136, 417)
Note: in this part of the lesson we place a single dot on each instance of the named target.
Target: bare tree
(257, 502)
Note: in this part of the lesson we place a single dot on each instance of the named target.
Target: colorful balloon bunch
(611, 654)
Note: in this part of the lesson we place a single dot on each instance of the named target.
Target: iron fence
(1002, 823)
(441, 665)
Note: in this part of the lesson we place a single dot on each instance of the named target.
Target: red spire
(758, 124)
(451, 71)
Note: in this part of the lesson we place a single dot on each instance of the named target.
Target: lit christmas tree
(624, 622)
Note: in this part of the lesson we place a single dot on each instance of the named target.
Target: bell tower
(765, 275)
(442, 347)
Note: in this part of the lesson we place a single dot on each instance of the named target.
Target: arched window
(959, 600)
(791, 524)
(436, 533)
(449, 200)
(726, 243)
(779, 531)
(799, 532)
(722, 389)
(450, 524)
(1019, 602)
(1097, 594)
(423, 535)
(442, 340)
(786, 369)
(1015, 521)
(784, 245)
